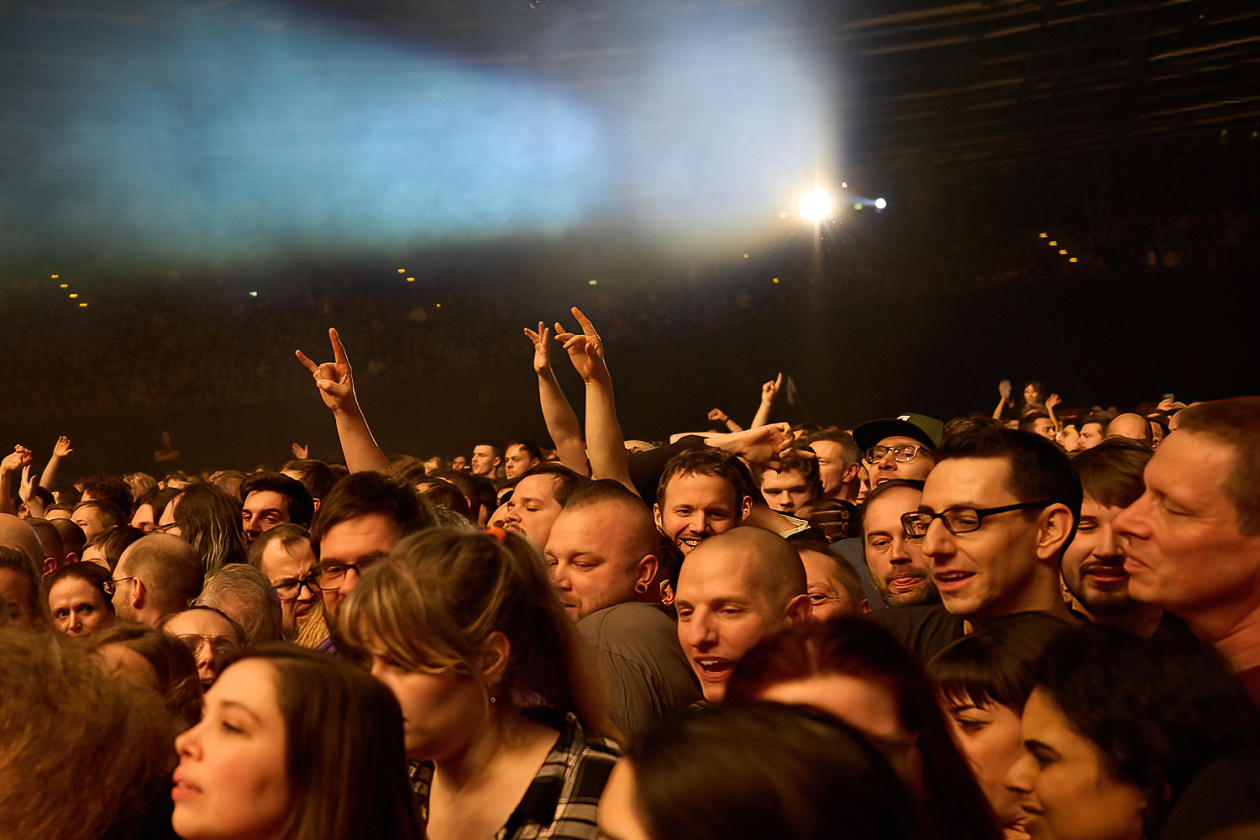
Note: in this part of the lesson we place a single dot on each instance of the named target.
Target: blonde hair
(434, 604)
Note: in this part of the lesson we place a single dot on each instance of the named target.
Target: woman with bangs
(501, 712)
(983, 681)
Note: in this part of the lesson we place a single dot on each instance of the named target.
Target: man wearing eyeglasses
(284, 555)
(155, 577)
(996, 514)
(899, 447)
(357, 524)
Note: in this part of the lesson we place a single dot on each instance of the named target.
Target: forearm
(357, 444)
(49, 477)
(8, 501)
(604, 440)
(997, 412)
(761, 417)
(733, 426)
(562, 424)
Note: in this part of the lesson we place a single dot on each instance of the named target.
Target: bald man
(604, 554)
(735, 589)
(156, 576)
(1131, 426)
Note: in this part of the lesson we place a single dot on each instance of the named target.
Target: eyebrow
(236, 704)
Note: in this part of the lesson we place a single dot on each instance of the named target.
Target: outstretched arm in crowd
(768, 393)
(605, 443)
(1004, 396)
(562, 421)
(1051, 402)
(10, 469)
(335, 381)
(60, 450)
(717, 415)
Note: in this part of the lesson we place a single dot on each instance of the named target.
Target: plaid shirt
(561, 801)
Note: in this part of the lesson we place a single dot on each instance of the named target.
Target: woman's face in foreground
(231, 783)
(1069, 792)
(987, 733)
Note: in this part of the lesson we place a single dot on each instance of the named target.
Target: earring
(640, 588)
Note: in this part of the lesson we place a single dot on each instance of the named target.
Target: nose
(1022, 774)
(349, 582)
(188, 741)
(937, 542)
(900, 552)
(560, 576)
(76, 624)
(698, 632)
(1131, 522)
(1108, 543)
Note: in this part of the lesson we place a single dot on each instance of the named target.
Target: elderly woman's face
(210, 638)
(1068, 790)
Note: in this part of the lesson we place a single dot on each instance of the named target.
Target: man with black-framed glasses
(997, 512)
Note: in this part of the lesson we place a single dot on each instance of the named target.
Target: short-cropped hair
(565, 479)
(363, 493)
(301, 507)
(708, 461)
(1111, 473)
(1237, 423)
(1038, 469)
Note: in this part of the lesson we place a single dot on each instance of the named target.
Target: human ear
(645, 573)
(798, 610)
(494, 657)
(1053, 528)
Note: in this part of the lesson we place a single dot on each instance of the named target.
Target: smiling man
(734, 590)
(1093, 565)
(996, 514)
(899, 447)
(269, 499)
(1193, 538)
(604, 555)
(698, 496)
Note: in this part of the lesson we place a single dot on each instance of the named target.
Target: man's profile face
(533, 508)
(360, 540)
(886, 467)
(121, 598)
(262, 511)
(1045, 427)
(899, 571)
(785, 491)
(1091, 435)
(594, 559)
(828, 597)
(484, 460)
(695, 506)
(517, 461)
(89, 519)
(831, 465)
(989, 571)
(722, 613)
(1185, 550)
(1093, 564)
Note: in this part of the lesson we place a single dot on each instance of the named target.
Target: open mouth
(688, 543)
(714, 668)
(947, 582)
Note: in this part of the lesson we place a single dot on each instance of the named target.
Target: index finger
(587, 327)
(339, 352)
(311, 366)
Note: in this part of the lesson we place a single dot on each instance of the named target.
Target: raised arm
(60, 450)
(605, 443)
(562, 421)
(335, 382)
(717, 415)
(1052, 401)
(1004, 396)
(10, 470)
(768, 393)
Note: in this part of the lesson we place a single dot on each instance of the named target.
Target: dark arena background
(190, 191)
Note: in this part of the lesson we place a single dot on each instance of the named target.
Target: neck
(1037, 598)
(1238, 640)
(1141, 621)
(473, 763)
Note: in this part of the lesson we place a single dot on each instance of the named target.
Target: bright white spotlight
(816, 205)
(880, 204)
